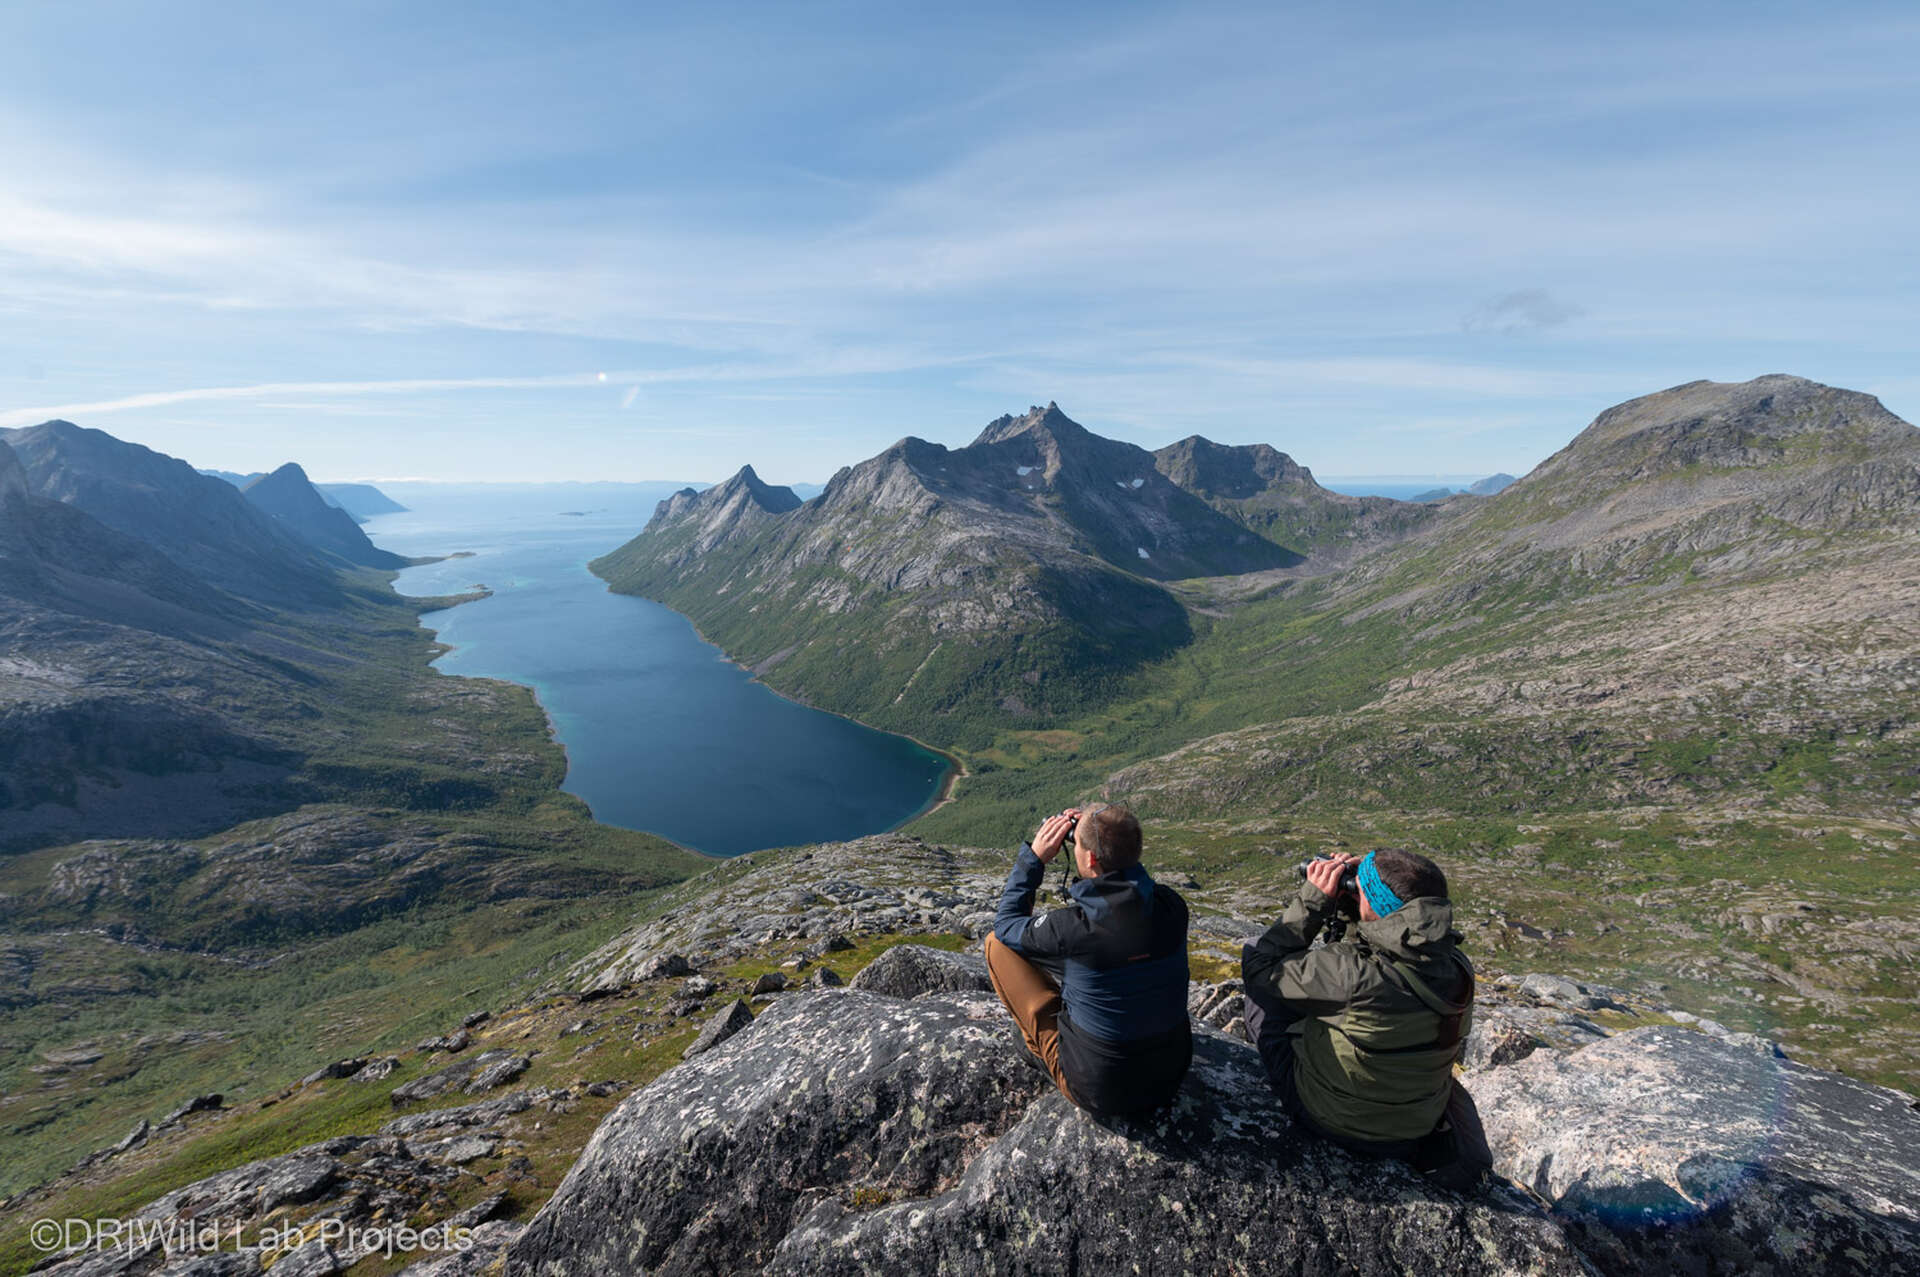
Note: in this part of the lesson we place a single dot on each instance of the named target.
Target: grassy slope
(1748, 839)
(211, 1001)
(629, 1037)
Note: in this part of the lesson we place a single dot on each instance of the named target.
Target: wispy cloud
(267, 390)
(1529, 310)
(1144, 219)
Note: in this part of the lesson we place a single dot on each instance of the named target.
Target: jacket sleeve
(1283, 966)
(1054, 934)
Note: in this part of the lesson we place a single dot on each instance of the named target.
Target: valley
(1653, 706)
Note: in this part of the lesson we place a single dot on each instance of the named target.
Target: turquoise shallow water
(662, 733)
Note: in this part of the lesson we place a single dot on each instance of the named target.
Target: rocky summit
(849, 1132)
(899, 1126)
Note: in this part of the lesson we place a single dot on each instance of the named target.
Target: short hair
(1409, 874)
(1113, 836)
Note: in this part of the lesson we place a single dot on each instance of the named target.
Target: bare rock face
(853, 1133)
(911, 970)
(1668, 1150)
(411, 1168)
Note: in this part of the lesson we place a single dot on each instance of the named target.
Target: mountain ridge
(998, 580)
(290, 498)
(203, 524)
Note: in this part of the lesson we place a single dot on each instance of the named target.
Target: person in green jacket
(1359, 1037)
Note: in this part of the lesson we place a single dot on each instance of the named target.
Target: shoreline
(955, 768)
(949, 781)
(439, 649)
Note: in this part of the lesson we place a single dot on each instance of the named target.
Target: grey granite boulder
(198, 1104)
(459, 1040)
(855, 1133)
(1667, 1150)
(466, 1074)
(726, 1022)
(1557, 990)
(377, 1070)
(497, 1073)
(663, 966)
(327, 1072)
(910, 970)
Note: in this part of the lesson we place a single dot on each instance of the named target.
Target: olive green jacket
(1385, 1012)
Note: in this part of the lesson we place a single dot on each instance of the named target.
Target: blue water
(662, 733)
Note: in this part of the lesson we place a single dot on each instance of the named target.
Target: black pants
(1457, 1147)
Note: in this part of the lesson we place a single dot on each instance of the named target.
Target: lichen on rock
(852, 1132)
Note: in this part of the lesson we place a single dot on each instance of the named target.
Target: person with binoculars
(1359, 1035)
(1099, 986)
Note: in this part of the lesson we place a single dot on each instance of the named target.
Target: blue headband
(1379, 895)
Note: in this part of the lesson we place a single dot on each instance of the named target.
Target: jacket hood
(1417, 931)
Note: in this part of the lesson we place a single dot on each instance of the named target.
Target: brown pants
(1033, 999)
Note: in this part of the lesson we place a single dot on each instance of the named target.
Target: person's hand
(1046, 844)
(1326, 874)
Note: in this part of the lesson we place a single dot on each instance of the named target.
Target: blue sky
(622, 241)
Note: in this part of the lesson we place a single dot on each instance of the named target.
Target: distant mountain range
(1492, 484)
(360, 500)
(205, 526)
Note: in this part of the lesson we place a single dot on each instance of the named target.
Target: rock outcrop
(1670, 1150)
(849, 1132)
(882, 885)
(911, 970)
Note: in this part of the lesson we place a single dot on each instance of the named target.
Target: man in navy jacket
(1099, 987)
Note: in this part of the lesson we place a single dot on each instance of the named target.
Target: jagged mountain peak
(773, 498)
(744, 497)
(1036, 420)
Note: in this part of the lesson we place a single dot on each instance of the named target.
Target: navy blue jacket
(1122, 949)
